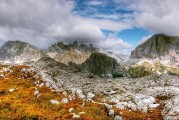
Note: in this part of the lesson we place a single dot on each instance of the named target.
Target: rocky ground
(151, 97)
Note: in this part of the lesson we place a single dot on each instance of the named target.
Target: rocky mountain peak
(15, 44)
(17, 51)
(61, 46)
(157, 46)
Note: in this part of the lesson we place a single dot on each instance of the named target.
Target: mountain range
(78, 81)
(159, 46)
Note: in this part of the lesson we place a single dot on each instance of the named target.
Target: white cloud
(95, 2)
(158, 16)
(115, 44)
(108, 24)
(43, 22)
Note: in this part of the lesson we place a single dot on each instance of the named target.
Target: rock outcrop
(73, 56)
(158, 46)
(66, 53)
(19, 52)
(102, 65)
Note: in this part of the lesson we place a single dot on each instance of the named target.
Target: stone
(64, 100)
(108, 106)
(117, 117)
(80, 113)
(90, 96)
(11, 90)
(36, 92)
(111, 112)
(54, 102)
(79, 93)
(71, 109)
(76, 116)
(64, 93)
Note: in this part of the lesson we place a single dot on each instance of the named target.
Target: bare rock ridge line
(81, 56)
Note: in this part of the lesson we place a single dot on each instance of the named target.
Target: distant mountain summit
(158, 46)
(19, 52)
(73, 52)
(61, 46)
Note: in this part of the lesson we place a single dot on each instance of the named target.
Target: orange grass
(22, 104)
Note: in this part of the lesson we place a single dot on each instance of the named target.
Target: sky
(113, 25)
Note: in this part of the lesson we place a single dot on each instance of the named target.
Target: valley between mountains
(81, 82)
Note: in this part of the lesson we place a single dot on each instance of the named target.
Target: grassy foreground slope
(19, 100)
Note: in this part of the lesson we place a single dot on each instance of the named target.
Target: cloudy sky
(115, 25)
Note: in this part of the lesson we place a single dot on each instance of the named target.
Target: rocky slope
(73, 56)
(148, 67)
(102, 65)
(19, 52)
(158, 46)
(47, 89)
(26, 94)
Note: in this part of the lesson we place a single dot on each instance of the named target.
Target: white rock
(143, 101)
(133, 106)
(36, 92)
(121, 105)
(5, 69)
(64, 100)
(79, 93)
(54, 102)
(90, 96)
(64, 93)
(11, 90)
(171, 108)
(154, 105)
(76, 116)
(71, 97)
(111, 112)
(1, 75)
(42, 84)
(118, 117)
(108, 106)
(71, 109)
(80, 113)
(23, 70)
